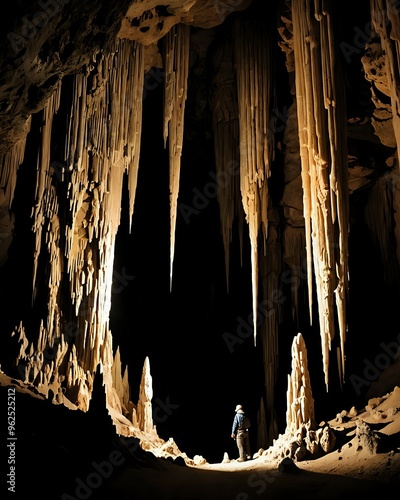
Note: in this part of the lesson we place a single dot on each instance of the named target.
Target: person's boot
(241, 459)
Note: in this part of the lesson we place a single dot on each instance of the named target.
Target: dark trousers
(243, 444)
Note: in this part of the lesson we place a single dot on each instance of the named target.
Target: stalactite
(254, 83)
(226, 139)
(323, 150)
(10, 162)
(103, 146)
(46, 207)
(177, 43)
(134, 134)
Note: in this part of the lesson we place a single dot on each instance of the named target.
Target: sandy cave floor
(348, 472)
(257, 479)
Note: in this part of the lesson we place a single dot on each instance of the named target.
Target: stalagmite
(144, 408)
(254, 86)
(175, 92)
(121, 384)
(323, 151)
(299, 398)
(302, 438)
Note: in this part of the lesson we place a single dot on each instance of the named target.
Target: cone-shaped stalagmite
(300, 402)
(144, 408)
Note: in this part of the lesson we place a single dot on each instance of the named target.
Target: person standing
(240, 432)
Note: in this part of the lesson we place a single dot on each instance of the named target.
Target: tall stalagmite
(299, 398)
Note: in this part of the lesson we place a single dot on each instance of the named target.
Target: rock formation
(302, 438)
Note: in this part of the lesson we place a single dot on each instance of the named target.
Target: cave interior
(169, 172)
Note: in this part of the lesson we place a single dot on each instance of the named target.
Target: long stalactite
(225, 121)
(175, 92)
(254, 86)
(323, 150)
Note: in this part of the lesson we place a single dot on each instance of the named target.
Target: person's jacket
(237, 422)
